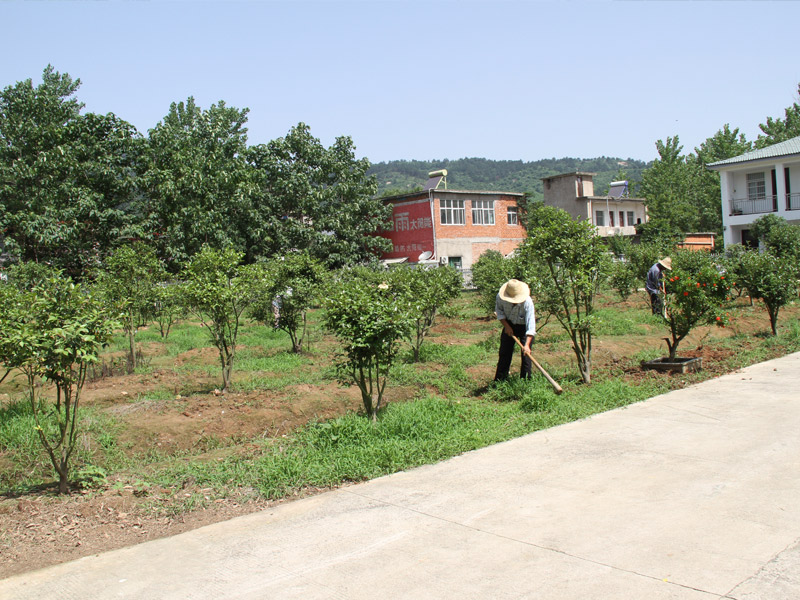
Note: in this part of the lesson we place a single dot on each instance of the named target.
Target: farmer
(514, 309)
(654, 286)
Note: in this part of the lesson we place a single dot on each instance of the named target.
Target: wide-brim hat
(666, 263)
(514, 291)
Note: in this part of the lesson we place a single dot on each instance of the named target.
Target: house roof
(786, 148)
(424, 193)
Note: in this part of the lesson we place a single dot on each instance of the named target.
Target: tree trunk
(132, 351)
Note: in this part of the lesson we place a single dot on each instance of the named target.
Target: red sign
(413, 230)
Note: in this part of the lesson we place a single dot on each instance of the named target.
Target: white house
(758, 183)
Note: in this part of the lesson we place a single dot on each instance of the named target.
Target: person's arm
(530, 324)
(499, 308)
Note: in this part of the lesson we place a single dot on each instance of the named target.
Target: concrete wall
(563, 191)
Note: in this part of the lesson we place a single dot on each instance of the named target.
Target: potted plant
(696, 293)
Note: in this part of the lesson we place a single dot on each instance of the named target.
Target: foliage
(767, 276)
(218, 290)
(168, 308)
(28, 275)
(569, 261)
(696, 293)
(779, 237)
(53, 332)
(622, 277)
(288, 289)
(489, 273)
(318, 199)
(682, 195)
(670, 189)
(67, 181)
(129, 281)
(779, 130)
(369, 321)
(199, 186)
(423, 293)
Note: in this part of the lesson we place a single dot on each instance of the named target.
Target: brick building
(452, 226)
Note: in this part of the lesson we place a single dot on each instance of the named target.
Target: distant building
(452, 227)
(698, 241)
(757, 183)
(614, 214)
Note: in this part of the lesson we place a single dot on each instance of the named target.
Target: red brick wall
(406, 242)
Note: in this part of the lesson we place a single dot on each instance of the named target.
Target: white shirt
(521, 313)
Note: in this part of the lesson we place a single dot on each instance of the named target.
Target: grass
(447, 416)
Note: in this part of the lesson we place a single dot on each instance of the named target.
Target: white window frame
(451, 212)
(513, 215)
(631, 217)
(483, 212)
(599, 218)
(756, 186)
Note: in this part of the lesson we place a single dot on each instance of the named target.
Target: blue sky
(427, 80)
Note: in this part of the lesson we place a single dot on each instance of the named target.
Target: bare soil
(40, 528)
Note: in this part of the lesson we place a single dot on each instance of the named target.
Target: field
(163, 451)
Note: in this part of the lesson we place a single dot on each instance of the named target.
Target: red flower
(685, 293)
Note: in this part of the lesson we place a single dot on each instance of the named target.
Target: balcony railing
(793, 201)
(754, 206)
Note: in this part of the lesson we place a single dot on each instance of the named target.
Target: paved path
(691, 495)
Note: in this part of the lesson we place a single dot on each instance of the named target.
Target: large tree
(779, 130)
(199, 183)
(318, 199)
(682, 194)
(67, 180)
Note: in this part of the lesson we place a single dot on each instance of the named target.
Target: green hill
(400, 176)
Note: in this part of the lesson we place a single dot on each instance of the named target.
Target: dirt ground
(40, 528)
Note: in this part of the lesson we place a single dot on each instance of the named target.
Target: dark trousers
(507, 346)
(656, 303)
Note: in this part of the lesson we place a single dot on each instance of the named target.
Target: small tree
(696, 294)
(290, 286)
(53, 332)
(167, 308)
(490, 272)
(129, 282)
(770, 278)
(369, 322)
(569, 262)
(218, 291)
(424, 292)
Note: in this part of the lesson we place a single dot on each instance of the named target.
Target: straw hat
(666, 263)
(514, 291)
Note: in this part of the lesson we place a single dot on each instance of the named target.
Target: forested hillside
(399, 176)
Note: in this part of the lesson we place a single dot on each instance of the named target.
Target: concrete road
(691, 495)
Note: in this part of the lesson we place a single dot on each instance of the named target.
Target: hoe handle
(556, 388)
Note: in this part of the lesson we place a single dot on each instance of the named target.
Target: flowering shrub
(694, 297)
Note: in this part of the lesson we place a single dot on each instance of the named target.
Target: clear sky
(427, 80)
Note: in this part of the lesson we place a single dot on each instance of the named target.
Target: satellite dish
(425, 255)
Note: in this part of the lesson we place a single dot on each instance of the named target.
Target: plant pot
(674, 365)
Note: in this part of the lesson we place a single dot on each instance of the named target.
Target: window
(599, 218)
(483, 212)
(621, 219)
(513, 217)
(611, 218)
(630, 218)
(756, 186)
(452, 212)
